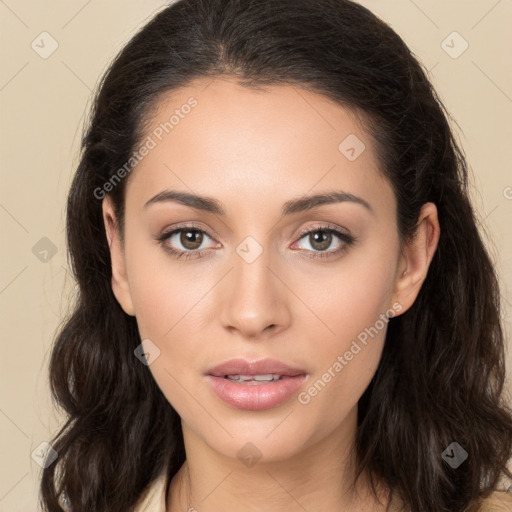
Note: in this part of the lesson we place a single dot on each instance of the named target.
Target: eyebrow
(211, 205)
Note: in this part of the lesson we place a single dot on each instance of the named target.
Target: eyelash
(347, 239)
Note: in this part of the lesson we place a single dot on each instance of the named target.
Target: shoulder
(154, 498)
(497, 501)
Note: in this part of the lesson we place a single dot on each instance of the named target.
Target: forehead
(222, 139)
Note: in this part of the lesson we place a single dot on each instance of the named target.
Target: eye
(320, 238)
(187, 241)
(190, 238)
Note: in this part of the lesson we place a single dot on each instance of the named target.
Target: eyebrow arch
(211, 205)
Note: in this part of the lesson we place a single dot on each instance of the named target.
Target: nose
(253, 299)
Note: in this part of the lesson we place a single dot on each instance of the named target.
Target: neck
(312, 479)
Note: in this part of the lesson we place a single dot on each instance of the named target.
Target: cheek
(350, 296)
(169, 310)
(354, 308)
(163, 291)
(170, 300)
(345, 362)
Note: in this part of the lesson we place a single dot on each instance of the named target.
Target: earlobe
(120, 285)
(416, 257)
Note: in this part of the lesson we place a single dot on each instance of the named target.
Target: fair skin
(253, 151)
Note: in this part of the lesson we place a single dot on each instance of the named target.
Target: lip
(261, 367)
(259, 396)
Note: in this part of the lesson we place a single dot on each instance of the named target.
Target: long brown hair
(441, 376)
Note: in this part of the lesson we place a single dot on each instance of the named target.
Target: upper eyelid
(184, 227)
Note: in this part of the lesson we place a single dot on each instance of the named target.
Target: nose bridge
(252, 296)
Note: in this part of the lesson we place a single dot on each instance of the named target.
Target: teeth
(258, 378)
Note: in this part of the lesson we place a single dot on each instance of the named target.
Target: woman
(284, 301)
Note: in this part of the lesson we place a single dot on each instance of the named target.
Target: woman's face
(265, 278)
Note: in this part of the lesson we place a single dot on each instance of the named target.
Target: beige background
(43, 102)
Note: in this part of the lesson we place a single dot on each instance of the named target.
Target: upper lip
(261, 367)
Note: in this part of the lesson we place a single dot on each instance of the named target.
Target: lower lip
(255, 397)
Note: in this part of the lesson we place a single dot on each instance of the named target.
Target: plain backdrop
(53, 54)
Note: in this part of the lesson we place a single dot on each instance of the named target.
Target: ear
(416, 257)
(120, 285)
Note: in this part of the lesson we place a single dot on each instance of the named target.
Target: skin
(254, 150)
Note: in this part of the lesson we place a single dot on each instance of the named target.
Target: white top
(155, 498)
(154, 501)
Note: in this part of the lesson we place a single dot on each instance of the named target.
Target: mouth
(257, 385)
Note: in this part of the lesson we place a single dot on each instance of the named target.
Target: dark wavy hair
(442, 371)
